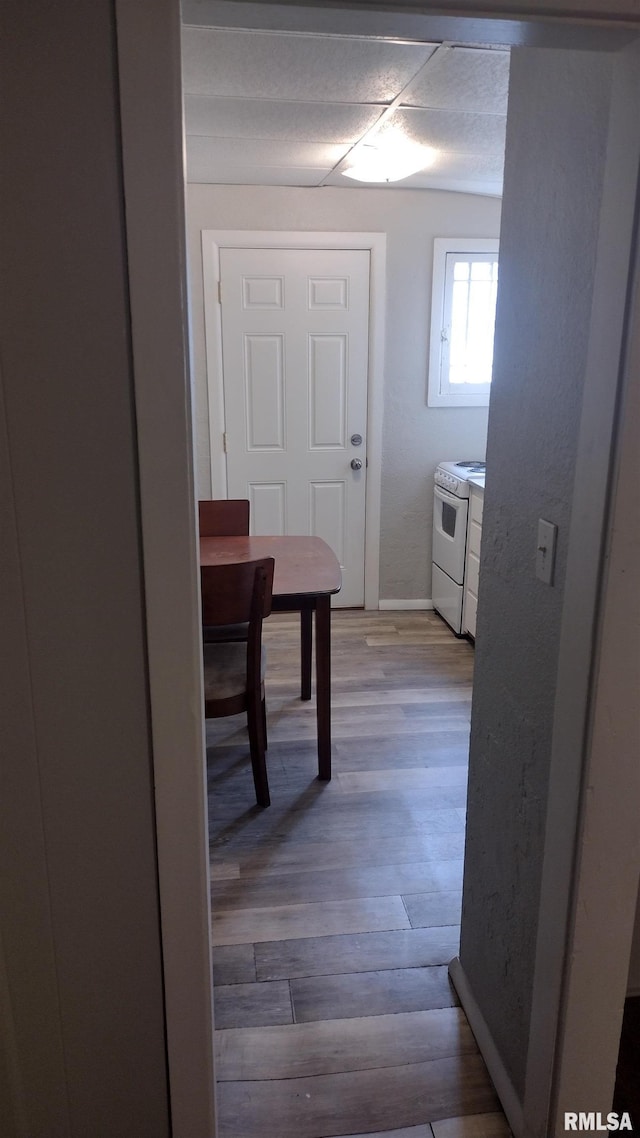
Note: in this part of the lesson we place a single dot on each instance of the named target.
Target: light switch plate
(546, 551)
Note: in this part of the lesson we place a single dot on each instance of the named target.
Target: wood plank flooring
(336, 911)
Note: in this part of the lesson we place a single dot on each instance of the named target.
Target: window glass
(474, 286)
(463, 321)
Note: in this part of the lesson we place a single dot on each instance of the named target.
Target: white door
(295, 332)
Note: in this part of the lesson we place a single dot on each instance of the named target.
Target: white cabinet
(472, 563)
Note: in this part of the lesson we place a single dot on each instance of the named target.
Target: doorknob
(356, 464)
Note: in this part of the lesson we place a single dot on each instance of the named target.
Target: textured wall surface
(558, 118)
(82, 990)
(416, 437)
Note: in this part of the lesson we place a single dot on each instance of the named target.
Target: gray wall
(416, 437)
(557, 129)
(82, 1023)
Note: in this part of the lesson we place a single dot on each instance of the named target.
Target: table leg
(306, 644)
(323, 685)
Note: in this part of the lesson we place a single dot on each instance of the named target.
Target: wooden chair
(227, 517)
(224, 517)
(235, 594)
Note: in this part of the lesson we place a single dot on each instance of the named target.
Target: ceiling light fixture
(389, 160)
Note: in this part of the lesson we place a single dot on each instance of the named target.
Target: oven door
(449, 533)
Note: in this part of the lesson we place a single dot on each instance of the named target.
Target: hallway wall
(556, 148)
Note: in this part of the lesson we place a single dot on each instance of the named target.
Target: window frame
(469, 395)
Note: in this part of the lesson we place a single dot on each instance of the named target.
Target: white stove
(453, 476)
(450, 508)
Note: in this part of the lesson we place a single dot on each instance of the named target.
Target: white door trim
(213, 240)
(151, 117)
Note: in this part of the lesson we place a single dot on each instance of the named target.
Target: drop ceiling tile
(476, 169)
(485, 167)
(450, 130)
(265, 118)
(253, 176)
(277, 66)
(464, 79)
(245, 153)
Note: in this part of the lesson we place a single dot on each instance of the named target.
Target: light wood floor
(336, 910)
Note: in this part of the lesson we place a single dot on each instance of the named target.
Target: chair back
(236, 593)
(224, 517)
(239, 592)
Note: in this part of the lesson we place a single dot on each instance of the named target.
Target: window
(463, 312)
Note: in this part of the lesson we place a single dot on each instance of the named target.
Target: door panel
(264, 392)
(267, 507)
(295, 331)
(327, 391)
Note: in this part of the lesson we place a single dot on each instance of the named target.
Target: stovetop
(471, 467)
(453, 475)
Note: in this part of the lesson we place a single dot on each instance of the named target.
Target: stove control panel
(457, 486)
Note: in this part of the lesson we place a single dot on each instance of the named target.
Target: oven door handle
(447, 496)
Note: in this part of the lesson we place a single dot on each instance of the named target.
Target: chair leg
(257, 746)
(264, 724)
(306, 650)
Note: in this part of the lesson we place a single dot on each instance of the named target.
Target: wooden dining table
(306, 575)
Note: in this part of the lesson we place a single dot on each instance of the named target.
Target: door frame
(150, 108)
(164, 445)
(213, 240)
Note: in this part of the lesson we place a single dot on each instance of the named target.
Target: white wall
(557, 200)
(81, 981)
(416, 437)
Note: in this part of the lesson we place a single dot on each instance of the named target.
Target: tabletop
(303, 565)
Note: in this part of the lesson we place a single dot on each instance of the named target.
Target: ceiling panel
(476, 166)
(264, 152)
(270, 66)
(225, 175)
(474, 170)
(293, 121)
(464, 79)
(450, 130)
(285, 109)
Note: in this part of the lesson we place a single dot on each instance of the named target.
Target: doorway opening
(236, 7)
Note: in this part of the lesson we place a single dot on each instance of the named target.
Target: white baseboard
(505, 1090)
(399, 605)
